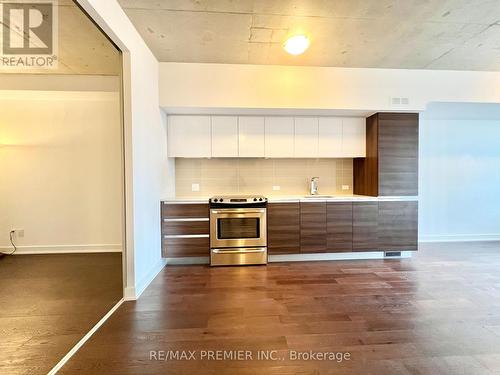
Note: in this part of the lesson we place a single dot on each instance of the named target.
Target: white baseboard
(129, 293)
(63, 249)
(133, 293)
(459, 238)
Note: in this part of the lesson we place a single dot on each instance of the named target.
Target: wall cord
(11, 236)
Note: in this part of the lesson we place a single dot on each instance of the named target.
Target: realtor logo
(29, 34)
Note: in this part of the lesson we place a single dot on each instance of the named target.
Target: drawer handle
(237, 251)
(238, 211)
(187, 219)
(187, 236)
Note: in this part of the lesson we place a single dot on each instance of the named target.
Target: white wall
(184, 87)
(459, 172)
(60, 161)
(146, 164)
(56, 82)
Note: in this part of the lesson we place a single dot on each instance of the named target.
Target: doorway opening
(62, 195)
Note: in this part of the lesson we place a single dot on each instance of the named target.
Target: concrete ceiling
(83, 49)
(413, 34)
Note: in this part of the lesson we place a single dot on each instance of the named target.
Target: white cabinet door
(224, 136)
(251, 136)
(330, 137)
(279, 137)
(189, 136)
(353, 137)
(306, 137)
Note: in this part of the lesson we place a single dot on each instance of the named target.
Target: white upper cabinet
(189, 136)
(353, 137)
(224, 136)
(279, 137)
(270, 137)
(251, 136)
(330, 137)
(306, 137)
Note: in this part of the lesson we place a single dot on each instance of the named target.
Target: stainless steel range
(238, 230)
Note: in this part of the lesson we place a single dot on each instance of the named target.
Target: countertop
(302, 198)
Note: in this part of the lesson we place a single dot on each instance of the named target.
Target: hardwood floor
(49, 302)
(438, 313)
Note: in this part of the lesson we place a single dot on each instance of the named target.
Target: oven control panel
(229, 200)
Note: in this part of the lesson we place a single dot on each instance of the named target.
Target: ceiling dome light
(297, 44)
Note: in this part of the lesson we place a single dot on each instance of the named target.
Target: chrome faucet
(314, 186)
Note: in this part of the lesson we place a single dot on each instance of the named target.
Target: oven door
(238, 227)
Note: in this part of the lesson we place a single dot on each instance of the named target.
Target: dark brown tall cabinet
(391, 164)
(389, 169)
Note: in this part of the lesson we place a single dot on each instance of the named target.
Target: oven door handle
(246, 211)
(238, 251)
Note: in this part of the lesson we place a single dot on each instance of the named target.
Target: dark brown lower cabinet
(364, 226)
(308, 227)
(339, 227)
(186, 247)
(185, 227)
(398, 225)
(184, 210)
(283, 228)
(313, 227)
(185, 230)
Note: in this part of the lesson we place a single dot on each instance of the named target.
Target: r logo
(28, 28)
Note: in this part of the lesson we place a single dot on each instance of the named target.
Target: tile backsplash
(258, 176)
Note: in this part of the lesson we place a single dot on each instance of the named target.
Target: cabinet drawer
(398, 226)
(283, 228)
(365, 227)
(185, 247)
(173, 210)
(339, 227)
(313, 227)
(185, 227)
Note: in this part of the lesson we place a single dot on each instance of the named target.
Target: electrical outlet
(195, 187)
(18, 233)
(276, 187)
(345, 187)
(396, 101)
(399, 101)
